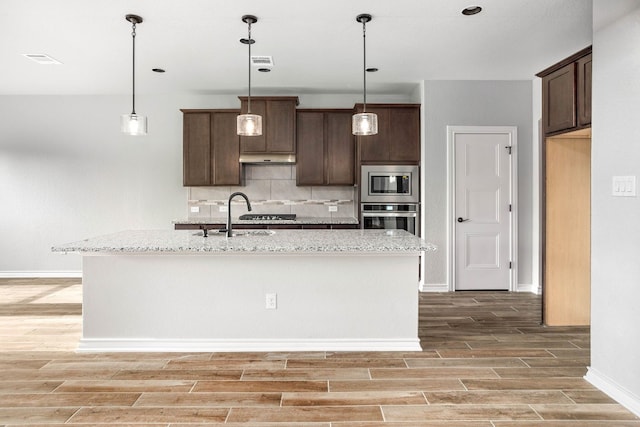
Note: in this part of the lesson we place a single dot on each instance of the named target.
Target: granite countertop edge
(281, 242)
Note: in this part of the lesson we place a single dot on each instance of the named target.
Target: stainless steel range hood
(268, 158)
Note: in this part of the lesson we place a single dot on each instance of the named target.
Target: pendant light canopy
(133, 124)
(249, 124)
(364, 123)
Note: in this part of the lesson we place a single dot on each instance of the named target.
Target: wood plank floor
(486, 362)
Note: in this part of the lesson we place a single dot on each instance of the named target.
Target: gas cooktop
(268, 217)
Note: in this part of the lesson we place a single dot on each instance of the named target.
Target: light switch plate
(624, 186)
(333, 209)
(195, 209)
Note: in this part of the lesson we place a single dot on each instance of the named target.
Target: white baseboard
(40, 274)
(434, 287)
(528, 287)
(614, 390)
(250, 345)
(443, 287)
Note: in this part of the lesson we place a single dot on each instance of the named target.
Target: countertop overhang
(282, 241)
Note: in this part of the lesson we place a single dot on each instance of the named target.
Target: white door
(482, 207)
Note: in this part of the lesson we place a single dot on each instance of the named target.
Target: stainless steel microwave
(389, 184)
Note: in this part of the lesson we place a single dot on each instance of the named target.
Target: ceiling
(316, 45)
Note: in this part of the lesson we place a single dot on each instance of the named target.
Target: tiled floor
(486, 363)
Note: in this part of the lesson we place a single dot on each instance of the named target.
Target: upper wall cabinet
(325, 147)
(211, 148)
(278, 125)
(584, 90)
(398, 138)
(566, 94)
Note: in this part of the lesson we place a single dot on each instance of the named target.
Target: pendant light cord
(249, 97)
(364, 67)
(133, 38)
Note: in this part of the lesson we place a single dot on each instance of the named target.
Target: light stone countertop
(252, 241)
(300, 220)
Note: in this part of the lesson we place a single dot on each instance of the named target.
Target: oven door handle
(390, 214)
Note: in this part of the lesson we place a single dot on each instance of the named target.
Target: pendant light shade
(364, 123)
(133, 124)
(249, 124)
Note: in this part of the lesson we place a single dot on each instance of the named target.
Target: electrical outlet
(333, 209)
(195, 209)
(271, 301)
(223, 208)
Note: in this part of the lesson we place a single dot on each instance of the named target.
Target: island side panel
(173, 302)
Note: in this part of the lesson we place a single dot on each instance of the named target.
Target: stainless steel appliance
(389, 184)
(390, 217)
(390, 197)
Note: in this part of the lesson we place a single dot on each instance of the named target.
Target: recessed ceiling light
(41, 58)
(157, 70)
(372, 70)
(471, 10)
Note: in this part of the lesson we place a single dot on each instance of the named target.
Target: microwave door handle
(390, 215)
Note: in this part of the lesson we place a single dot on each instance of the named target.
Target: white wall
(66, 172)
(615, 221)
(473, 103)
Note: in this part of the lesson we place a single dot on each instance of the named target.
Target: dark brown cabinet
(211, 148)
(398, 138)
(566, 94)
(584, 91)
(325, 148)
(278, 125)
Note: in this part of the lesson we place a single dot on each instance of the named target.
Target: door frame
(512, 131)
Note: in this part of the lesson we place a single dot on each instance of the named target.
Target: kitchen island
(331, 290)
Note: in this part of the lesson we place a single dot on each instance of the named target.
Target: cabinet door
(375, 148)
(584, 91)
(255, 144)
(559, 112)
(310, 157)
(225, 144)
(404, 134)
(196, 145)
(281, 126)
(340, 145)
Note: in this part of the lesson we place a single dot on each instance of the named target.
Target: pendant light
(133, 124)
(249, 124)
(364, 123)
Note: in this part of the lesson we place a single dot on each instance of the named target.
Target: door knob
(460, 219)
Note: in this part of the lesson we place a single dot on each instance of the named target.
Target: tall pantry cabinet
(566, 172)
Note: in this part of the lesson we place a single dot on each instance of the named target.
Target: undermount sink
(236, 233)
(253, 233)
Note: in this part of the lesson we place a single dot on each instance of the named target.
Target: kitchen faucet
(238, 193)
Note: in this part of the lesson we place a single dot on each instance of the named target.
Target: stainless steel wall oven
(390, 217)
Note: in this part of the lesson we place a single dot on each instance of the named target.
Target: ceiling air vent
(262, 61)
(41, 58)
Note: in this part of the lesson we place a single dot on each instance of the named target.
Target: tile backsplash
(272, 189)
